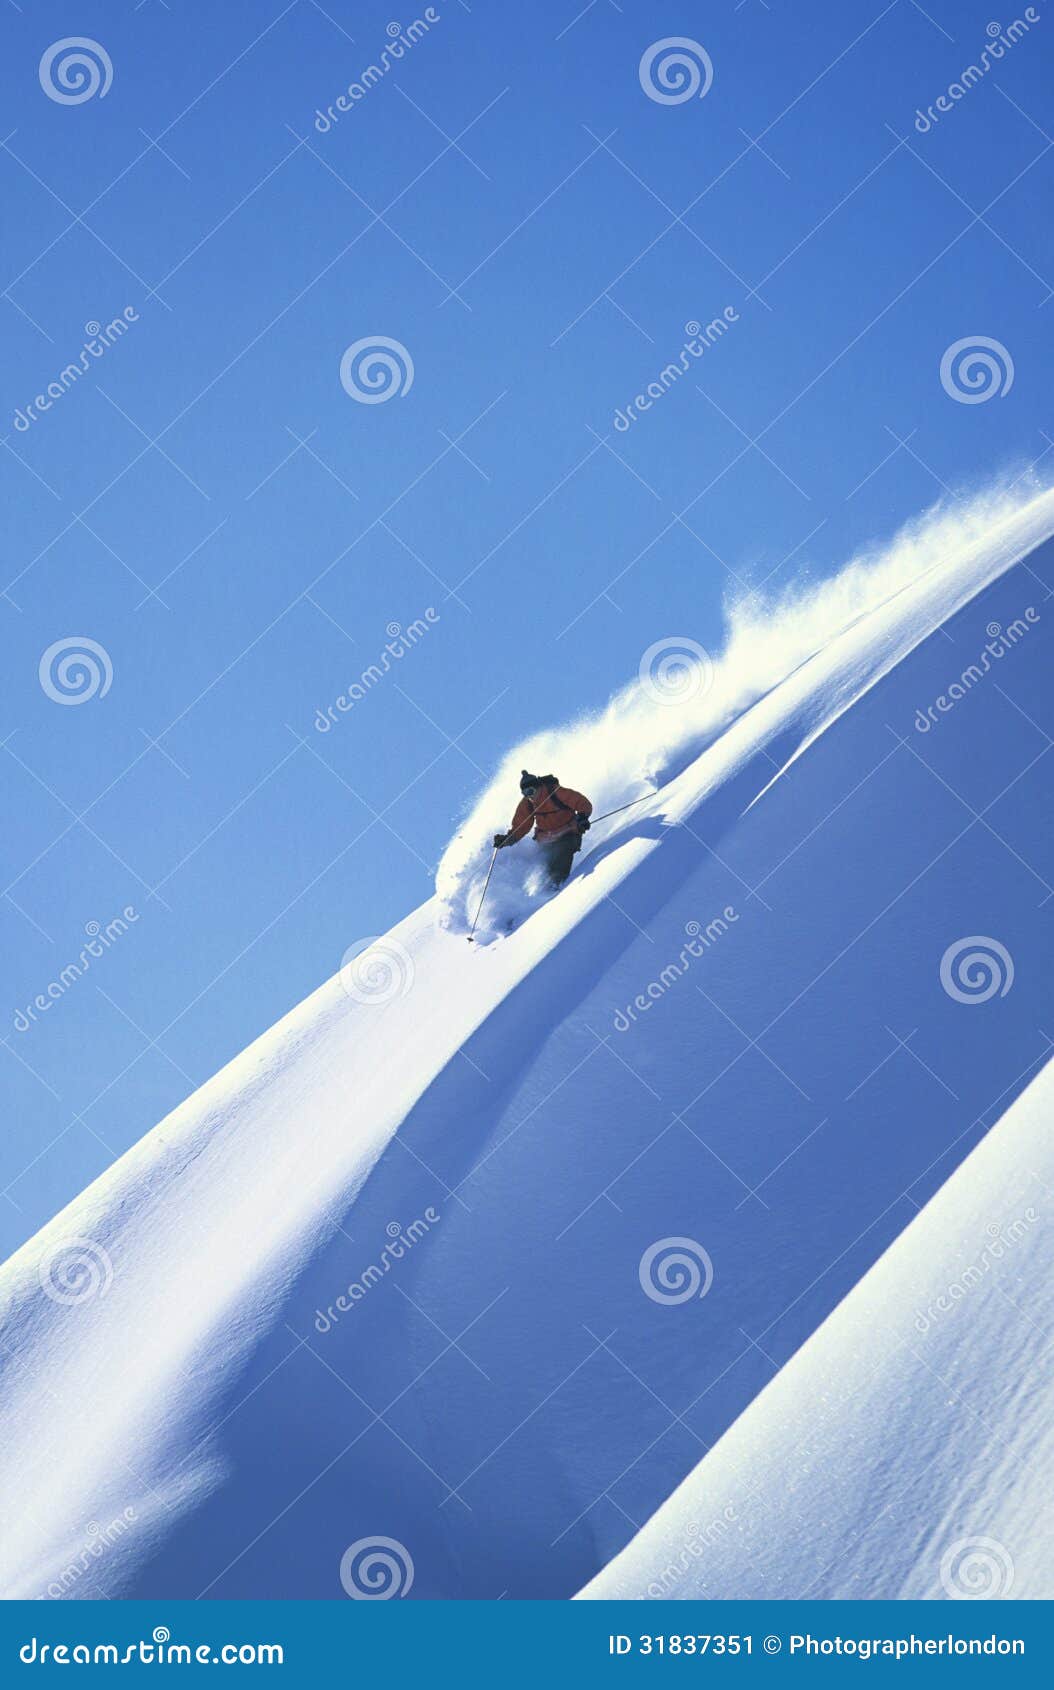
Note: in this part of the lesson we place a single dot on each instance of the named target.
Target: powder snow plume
(685, 696)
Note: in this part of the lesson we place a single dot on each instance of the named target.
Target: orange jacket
(553, 815)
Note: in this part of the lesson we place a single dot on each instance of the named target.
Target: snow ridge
(177, 1343)
(684, 698)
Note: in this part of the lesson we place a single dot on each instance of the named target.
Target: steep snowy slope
(908, 1448)
(397, 1272)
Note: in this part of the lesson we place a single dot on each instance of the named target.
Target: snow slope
(907, 1450)
(685, 697)
(485, 1141)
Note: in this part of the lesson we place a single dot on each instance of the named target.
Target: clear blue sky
(209, 505)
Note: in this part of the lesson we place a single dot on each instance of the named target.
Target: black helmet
(529, 781)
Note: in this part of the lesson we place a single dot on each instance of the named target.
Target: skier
(560, 817)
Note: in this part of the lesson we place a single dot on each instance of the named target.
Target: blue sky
(239, 533)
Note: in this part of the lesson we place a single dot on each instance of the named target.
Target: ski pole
(486, 883)
(629, 806)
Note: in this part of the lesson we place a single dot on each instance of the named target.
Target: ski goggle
(528, 791)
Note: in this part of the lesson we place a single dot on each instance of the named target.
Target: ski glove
(583, 822)
(499, 841)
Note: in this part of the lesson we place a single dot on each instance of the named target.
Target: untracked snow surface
(907, 1450)
(402, 1271)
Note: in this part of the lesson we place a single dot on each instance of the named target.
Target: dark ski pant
(559, 857)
